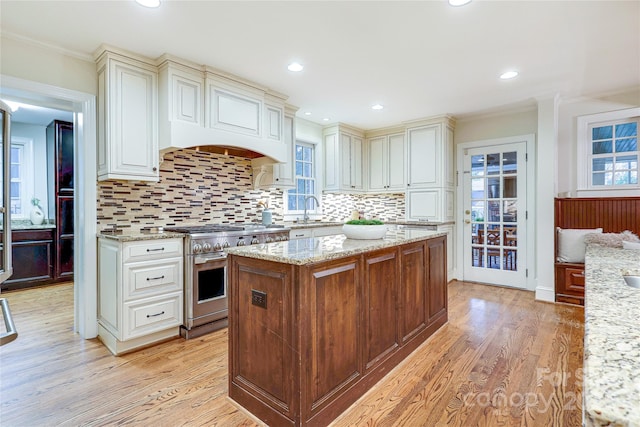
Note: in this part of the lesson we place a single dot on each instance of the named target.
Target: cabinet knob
(155, 169)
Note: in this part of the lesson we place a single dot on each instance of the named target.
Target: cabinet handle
(155, 168)
(155, 250)
(155, 278)
(155, 315)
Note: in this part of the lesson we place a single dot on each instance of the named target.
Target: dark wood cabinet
(61, 194)
(32, 254)
(306, 341)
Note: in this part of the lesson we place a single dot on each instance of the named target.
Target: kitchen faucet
(306, 216)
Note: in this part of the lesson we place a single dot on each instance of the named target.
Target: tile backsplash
(197, 187)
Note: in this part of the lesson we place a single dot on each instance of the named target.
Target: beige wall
(494, 126)
(569, 111)
(47, 65)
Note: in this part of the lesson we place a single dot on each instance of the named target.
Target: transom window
(305, 180)
(614, 154)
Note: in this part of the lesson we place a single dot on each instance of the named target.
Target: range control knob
(225, 244)
(269, 239)
(255, 240)
(206, 247)
(197, 248)
(217, 247)
(240, 242)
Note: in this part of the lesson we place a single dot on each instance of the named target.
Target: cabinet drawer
(304, 233)
(151, 315)
(152, 278)
(152, 249)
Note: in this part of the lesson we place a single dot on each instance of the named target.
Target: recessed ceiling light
(508, 75)
(307, 113)
(377, 107)
(326, 119)
(149, 3)
(459, 2)
(295, 67)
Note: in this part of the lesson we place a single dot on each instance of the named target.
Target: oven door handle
(205, 259)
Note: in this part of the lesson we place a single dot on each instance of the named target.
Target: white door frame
(85, 251)
(530, 201)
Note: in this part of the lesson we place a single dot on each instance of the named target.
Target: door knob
(467, 212)
(467, 221)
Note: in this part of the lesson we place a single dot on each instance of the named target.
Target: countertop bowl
(364, 232)
(633, 281)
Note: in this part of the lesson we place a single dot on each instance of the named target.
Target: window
(305, 180)
(614, 154)
(21, 183)
(608, 152)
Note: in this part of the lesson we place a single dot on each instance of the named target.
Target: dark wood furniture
(613, 214)
(32, 254)
(61, 194)
(306, 341)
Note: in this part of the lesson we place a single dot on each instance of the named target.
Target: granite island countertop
(316, 249)
(611, 385)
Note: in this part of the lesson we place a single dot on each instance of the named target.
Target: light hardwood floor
(502, 360)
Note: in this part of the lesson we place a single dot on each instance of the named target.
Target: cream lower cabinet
(305, 233)
(140, 292)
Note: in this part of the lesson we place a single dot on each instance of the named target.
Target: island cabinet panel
(333, 297)
(261, 362)
(437, 271)
(381, 315)
(413, 290)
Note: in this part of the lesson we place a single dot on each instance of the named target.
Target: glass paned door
(494, 214)
(5, 178)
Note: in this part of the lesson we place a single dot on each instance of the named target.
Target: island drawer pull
(156, 250)
(155, 315)
(155, 278)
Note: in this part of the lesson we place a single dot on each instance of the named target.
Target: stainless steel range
(205, 278)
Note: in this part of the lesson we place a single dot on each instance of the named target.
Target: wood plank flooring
(502, 360)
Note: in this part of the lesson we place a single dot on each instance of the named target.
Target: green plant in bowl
(365, 222)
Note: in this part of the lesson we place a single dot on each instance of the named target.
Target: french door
(494, 227)
(9, 334)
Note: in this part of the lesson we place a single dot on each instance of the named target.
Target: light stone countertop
(138, 235)
(311, 250)
(612, 339)
(316, 224)
(25, 224)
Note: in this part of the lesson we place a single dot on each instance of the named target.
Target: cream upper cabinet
(343, 155)
(284, 175)
(181, 93)
(386, 168)
(127, 117)
(430, 192)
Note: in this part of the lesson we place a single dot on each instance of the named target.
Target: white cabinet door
(345, 162)
(424, 145)
(185, 102)
(284, 173)
(396, 161)
(273, 122)
(331, 165)
(234, 112)
(355, 164)
(424, 205)
(378, 165)
(127, 122)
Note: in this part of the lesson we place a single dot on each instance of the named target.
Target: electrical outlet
(259, 298)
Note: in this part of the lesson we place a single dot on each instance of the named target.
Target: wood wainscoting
(612, 214)
(502, 359)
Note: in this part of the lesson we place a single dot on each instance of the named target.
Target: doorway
(494, 217)
(83, 107)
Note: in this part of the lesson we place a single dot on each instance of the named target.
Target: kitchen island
(612, 339)
(315, 323)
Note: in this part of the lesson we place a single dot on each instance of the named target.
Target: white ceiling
(418, 58)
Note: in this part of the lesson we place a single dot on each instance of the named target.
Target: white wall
(47, 65)
(569, 111)
(308, 131)
(39, 170)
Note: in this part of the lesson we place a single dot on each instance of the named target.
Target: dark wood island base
(308, 339)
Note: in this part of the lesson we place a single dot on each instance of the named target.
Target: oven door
(209, 290)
